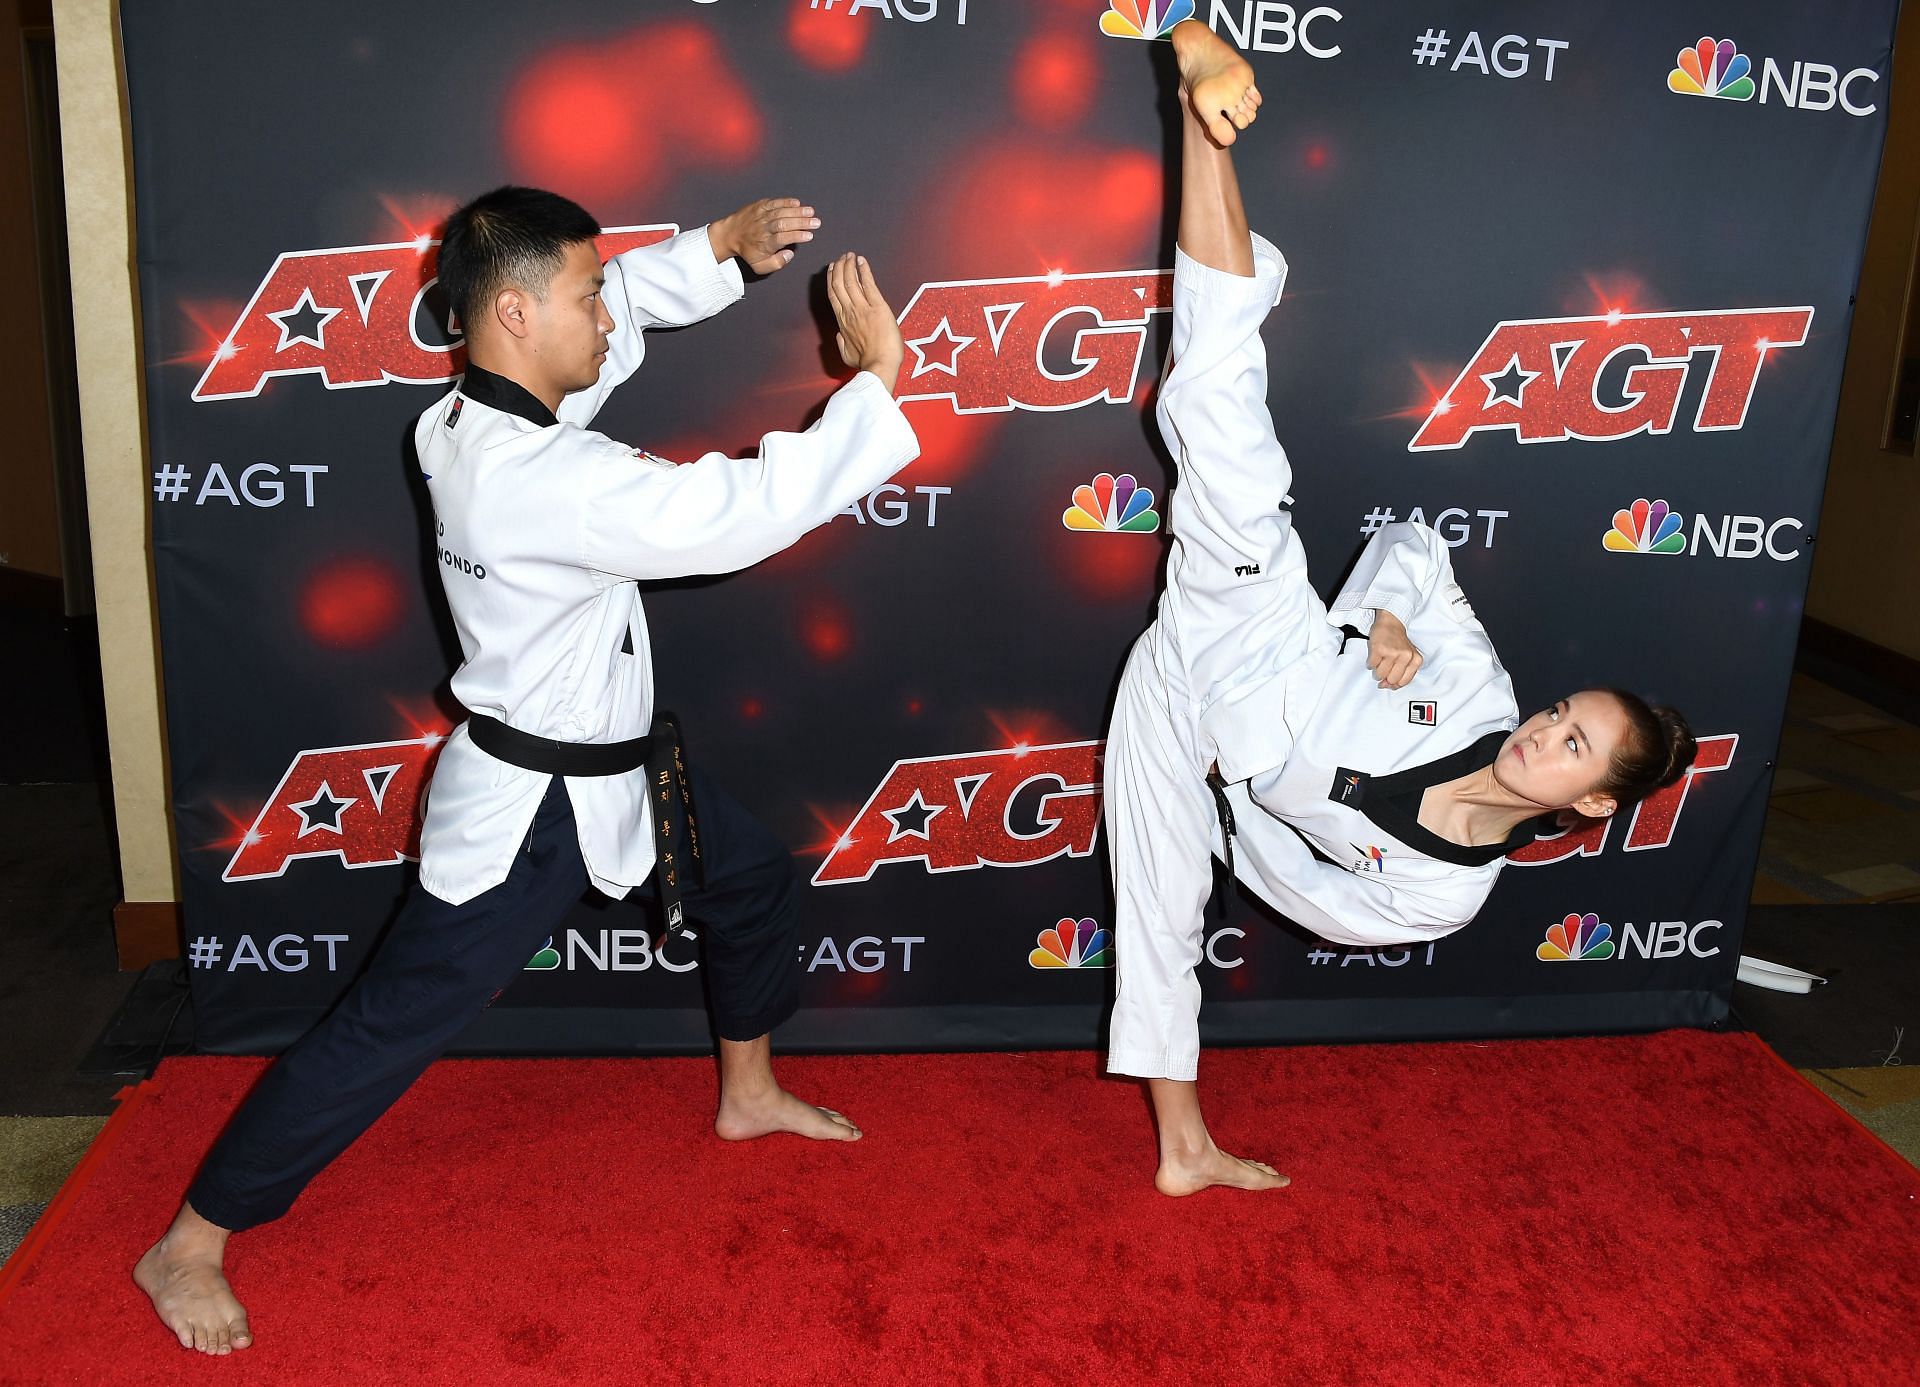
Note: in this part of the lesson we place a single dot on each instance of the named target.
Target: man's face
(570, 326)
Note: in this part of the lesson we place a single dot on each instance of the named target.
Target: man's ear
(510, 311)
(1596, 806)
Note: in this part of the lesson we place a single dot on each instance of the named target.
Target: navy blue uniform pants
(441, 964)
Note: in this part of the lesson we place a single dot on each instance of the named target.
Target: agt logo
(1051, 342)
(355, 316)
(1013, 808)
(1265, 26)
(357, 803)
(1112, 505)
(1543, 378)
(1652, 822)
(1587, 939)
(1716, 68)
(1650, 527)
(1073, 944)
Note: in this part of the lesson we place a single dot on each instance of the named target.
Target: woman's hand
(1394, 659)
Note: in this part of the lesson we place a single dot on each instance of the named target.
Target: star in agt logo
(1577, 939)
(1610, 376)
(354, 316)
(1144, 19)
(1711, 68)
(1646, 527)
(1012, 808)
(1050, 342)
(357, 803)
(1112, 505)
(1073, 944)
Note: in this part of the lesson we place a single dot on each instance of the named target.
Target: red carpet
(1677, 1208)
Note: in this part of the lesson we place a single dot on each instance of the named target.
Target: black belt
(1224, 811)
(664, 755)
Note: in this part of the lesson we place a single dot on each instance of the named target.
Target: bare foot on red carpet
(1183, 1173)
(742, 1118)
(182, 1275)
(1218, 82)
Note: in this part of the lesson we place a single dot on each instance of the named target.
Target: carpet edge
(1907, 1167)
(17, 1266)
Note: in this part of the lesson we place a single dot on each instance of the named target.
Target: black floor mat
(1870, 956)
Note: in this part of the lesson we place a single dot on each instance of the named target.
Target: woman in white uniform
(1367, 774)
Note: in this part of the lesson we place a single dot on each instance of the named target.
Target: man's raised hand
(763, 233)
(869, 337)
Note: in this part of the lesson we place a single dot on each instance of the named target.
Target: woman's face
(1556, 757)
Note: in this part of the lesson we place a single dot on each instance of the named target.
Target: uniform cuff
(1261, 287)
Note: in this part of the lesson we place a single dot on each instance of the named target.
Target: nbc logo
(545, 961)
(1073, 944)
(1646, 527)
(1112, 505)
(1712, 68)
(1577, 939)
(1144, 19)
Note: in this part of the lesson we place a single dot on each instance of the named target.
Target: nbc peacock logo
(1073, 944)
(1712, 68)
(1144, 19)
(1112, 505)
(1646, 527)
(545, 961)
(1577, 939)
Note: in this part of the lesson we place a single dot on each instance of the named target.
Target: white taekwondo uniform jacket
(543, 526)
(1318, 756)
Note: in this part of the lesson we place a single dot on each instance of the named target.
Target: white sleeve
(1364, 912)
(1404, 567)
(642, 519)
(671, 283)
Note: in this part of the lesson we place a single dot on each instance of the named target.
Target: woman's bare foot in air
(1188, 1172)
(1217, 81)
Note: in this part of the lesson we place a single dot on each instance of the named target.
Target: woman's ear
(1596, 806)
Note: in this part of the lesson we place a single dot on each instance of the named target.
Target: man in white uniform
(1366, 776)
(559, 779)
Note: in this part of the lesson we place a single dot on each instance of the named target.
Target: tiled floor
(1844, 820)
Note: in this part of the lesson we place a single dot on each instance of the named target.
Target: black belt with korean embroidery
(664, 755)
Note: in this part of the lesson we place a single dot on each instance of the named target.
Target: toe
(242, 1335)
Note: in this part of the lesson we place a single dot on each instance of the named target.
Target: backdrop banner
(1569, 283)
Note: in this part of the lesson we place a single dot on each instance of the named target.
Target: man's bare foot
(182, 1275)
(1183, 1173)
(775, 1110)
(1217, 81)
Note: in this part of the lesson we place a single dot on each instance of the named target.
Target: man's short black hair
(508, 237)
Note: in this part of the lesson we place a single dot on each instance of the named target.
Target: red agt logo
(1056, 341)
(1541, 378)
(1653, 819)
(351, 316)
(358, 803)
(1013, 808)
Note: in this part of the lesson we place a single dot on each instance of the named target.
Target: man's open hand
(869, 338)
(1393, 658)
(762, 234)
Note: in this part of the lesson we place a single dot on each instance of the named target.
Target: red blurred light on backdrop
(352, 603)
(825, 632)
(1013, 209)
(1112, 567)
(1053, 80)
(824, 40)
(576, 123)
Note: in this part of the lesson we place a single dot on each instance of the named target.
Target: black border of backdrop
(1455, 186)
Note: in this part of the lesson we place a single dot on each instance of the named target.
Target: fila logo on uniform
(1012, 808)
(985, 344)
(1247, 570)
(354, 316)
(453, 415)
(1423, 713)
(1541, 378)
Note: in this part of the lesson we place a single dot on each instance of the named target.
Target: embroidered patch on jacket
(1423, 712)
(453, 415)
(1349, 787)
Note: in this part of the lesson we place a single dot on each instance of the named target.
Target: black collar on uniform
(509, 397)
(1380, 793)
